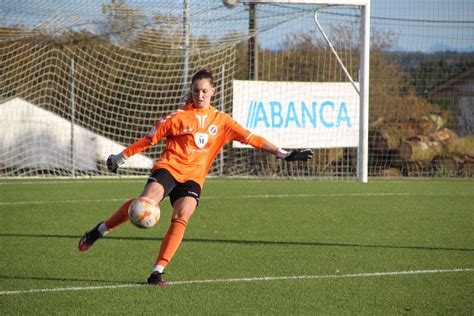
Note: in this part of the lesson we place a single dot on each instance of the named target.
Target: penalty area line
(235, 280)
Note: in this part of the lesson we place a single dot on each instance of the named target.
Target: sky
(417, 25)
(427, 25)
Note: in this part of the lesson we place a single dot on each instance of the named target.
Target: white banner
(298, 114)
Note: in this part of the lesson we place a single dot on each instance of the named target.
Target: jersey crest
(201, 139)
(213, 130)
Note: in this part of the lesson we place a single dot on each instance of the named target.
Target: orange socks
(171, 242)
(119, 217)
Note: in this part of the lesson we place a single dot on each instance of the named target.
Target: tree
(123, 22)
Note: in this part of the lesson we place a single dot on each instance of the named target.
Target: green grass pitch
(258, 247)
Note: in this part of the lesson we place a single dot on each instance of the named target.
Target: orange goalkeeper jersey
(194, 137)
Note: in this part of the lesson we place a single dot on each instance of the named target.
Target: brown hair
(203, 74)
(199, 75)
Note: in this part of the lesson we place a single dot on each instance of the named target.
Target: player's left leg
(184, 199)
(183, 208)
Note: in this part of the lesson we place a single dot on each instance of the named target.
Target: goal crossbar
(328, 2)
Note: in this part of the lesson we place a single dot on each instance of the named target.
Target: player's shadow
(86, 280)
(251, 242)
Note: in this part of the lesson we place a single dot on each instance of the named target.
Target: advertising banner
(298, 114)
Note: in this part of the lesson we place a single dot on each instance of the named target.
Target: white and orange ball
(144, 212)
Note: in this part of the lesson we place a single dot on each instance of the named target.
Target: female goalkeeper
(194, 136)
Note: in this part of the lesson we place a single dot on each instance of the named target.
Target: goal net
(80, 80)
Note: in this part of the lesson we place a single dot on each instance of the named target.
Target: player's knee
(183, 208)
(154, 190)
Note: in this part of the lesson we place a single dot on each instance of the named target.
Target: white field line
(210, 179)
(256, 196)
(236, 280)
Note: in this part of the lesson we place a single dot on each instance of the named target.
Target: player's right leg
(89, 238)
(102, 228)
(153, 189)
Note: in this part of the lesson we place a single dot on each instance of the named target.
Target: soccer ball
(144, 212)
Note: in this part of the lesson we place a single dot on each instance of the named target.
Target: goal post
(363, 90)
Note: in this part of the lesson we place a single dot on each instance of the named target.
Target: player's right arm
(115, 161)
(159, 130)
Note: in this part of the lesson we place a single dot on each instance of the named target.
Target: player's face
(202, 91)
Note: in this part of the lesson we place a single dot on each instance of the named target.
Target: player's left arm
(244, 136)
(294, 155)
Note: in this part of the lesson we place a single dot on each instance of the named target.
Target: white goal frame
(363, 146)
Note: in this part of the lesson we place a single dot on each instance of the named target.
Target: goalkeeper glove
(114, 161)
(295, 155)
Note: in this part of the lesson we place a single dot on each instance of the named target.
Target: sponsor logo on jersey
(201, 120)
